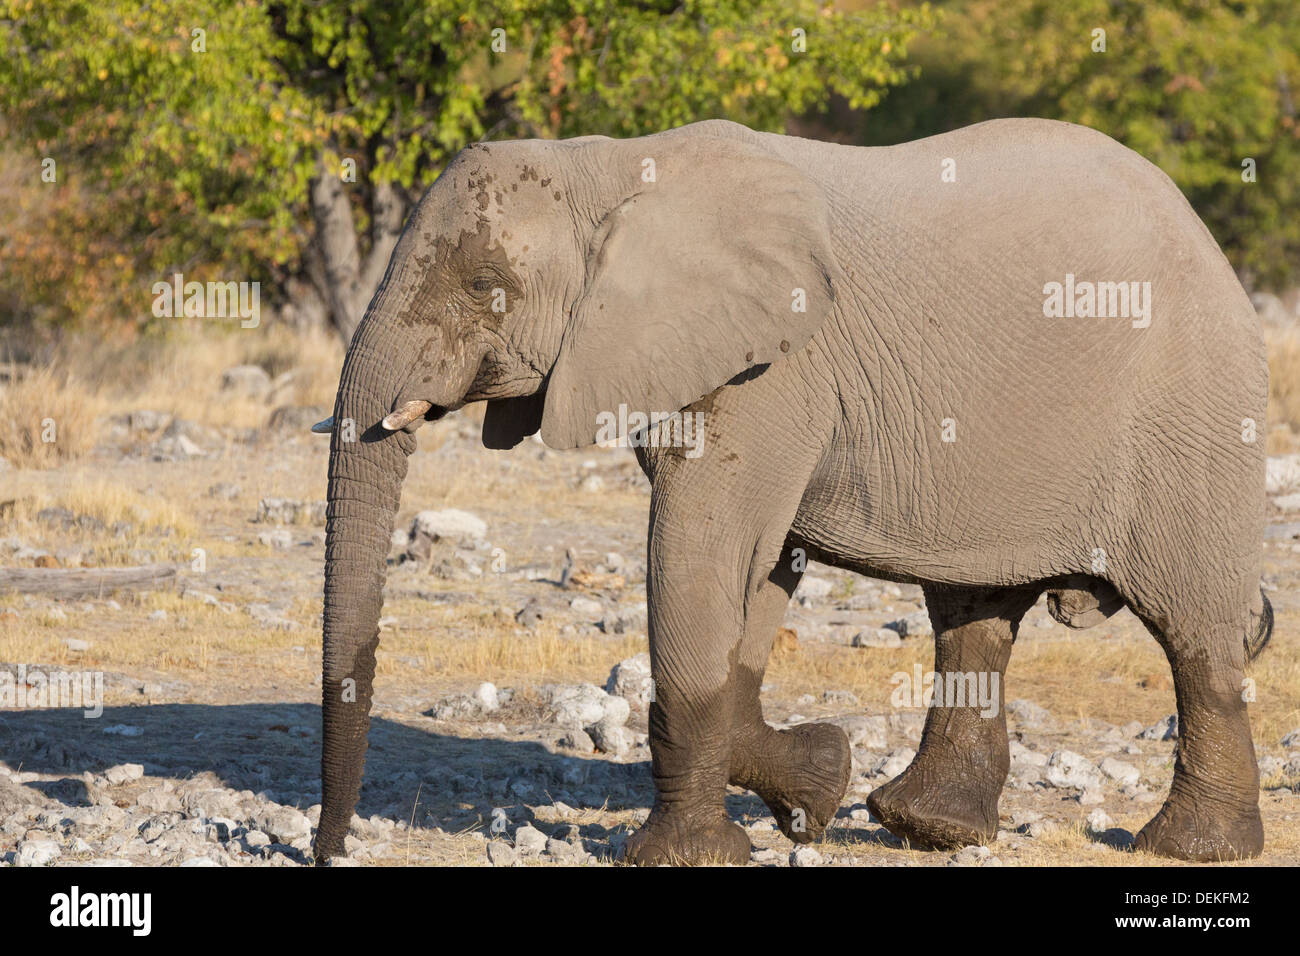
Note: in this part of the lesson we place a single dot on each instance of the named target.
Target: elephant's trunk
(366, 468)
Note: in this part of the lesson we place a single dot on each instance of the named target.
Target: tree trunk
(344, 278)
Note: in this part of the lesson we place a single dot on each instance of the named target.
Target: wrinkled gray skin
(1077, 440)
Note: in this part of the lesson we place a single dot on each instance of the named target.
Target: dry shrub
(47, 418)
(181, 373)
(110, 502)
(1284, 382)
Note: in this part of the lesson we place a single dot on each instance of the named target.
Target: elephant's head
(556, 280)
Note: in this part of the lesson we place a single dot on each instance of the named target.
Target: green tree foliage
(1195, 86)
(217, 138)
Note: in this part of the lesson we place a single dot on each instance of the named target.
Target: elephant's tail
(1255, 643)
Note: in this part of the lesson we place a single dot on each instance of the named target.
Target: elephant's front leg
(696, 596)
(948, 795)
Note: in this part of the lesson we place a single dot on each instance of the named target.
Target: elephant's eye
(483, 283)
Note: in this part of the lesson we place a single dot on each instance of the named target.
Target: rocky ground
(510, 722)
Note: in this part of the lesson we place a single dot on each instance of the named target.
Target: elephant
(999, 362)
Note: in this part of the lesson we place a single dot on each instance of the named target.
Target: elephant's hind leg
(802, 772)
(948, 795)
(1212, 812)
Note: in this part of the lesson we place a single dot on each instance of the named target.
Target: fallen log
(85, 582)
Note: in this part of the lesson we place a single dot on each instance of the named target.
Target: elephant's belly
(840, 523)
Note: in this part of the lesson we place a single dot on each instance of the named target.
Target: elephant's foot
(675, 837)
(935, 811)
(801, 774)
(1183, 832)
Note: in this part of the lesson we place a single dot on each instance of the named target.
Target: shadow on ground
(413, 774)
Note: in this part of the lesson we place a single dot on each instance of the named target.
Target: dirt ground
(212, 685)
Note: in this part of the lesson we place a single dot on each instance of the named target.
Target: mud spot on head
(459, 286)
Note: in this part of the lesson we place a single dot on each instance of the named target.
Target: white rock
(916, 624)
(897, 761)
(1067, 769)
(124, 773)
(1030, 714)
(1099, 822)
(37, 853)
(449, 523)
(1282, 475)
(577, 740)
(805, 856)
(815, 587)
(502, 854)
(1091, 796)
(614, 710)
(1125, 774)
(624, 620)
(249, 380)
(1292, 739)
(630, 679)
(279, 539)
(1023, 756)
(877, 637)
(529, 840)
(1165, 729)
(282, 824)
(611, 737)
(582, 705)
(587, 608)
(974, 856)
(863, 731)
(487, 697)
(187, 447)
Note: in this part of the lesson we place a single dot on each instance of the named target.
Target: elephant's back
(967, 256)
(975, 230)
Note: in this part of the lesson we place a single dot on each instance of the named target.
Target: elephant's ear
(508, 421)
(723, 264)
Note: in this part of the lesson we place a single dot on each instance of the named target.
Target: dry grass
(47, 418)
(106, 501)
(158, 520)
(179, 374)
(1284, 390)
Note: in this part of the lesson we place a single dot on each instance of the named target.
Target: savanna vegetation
(284, 142)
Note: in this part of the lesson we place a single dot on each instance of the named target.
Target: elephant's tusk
(325, 427)
(408, 413)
